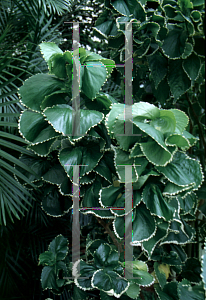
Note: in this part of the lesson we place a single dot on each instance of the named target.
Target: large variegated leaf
(183, 171)
(86, 271)
(95, 74)
(33, 92)
(91, 202)
(156, 203)
(121, 161)
(48, 49)
(154, 149)
(86, 156)
(186, 291)
(110, 282)
(162, 229)
(116, 109)
(60, 117)
(166, 121)
(143, 225)
(181, 120)
(34, 128)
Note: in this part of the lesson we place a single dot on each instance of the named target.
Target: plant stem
(111, 234)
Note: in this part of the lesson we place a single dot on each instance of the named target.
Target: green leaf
(116, 109)
(61, 117)
(48, 49)
(191, 270)
(174, 43)
(94, 76)
(54, 204)
(181, 120)
(149, 246)
(37, 87)
(143, 225)
(158, 67)
(47, 258)
(91, 203)
(88, 156)
(178, 80)
(104, 257)
(155, 149)
(143, 278)
(102, 102)
(186, 291)
(133, 290)
(86, 270)
(169, 291)
(155, 202)
(177, 140)
(59, 246)
(160, 274)
(55, 174)
(166, 121)
(79, 294)
(110, 282)
(121, 7)
(34, 128)
(122, 158)
(50, 275)
(183, 171)
(192, 66)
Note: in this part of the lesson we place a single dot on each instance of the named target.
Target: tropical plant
(164, 179)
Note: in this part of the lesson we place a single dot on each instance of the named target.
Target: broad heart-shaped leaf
(124, 138)
(55, 174)
(58, 97)
(47, 258)
(86, 270)
(161, 232)
(143, 278)
(105, 257)
(158, 67)
(177, 236)
(54, 204)
(102, 102)
(43, 149)
(103, 169)
(143, 225)
(192, 66)
(39, 165)
(178, 80)
(191, 138)
(59, 247)
(203, 266)
(181, 120)
(37, 87)
(110, 282)
(156, 203)
(91, 203)
(183, 171)
(169, 292)
(186, 291)
(166, 121)
(61, 117)
(177, 140)
(48, 49)
(87, 156)
(79, 294)
(57, 66)
(50, 276)
(121, 7)
(155, 149)
(115, 197)
(175, 42)
(122, 158)
(34, 128)
(116, 109)
(95, 74)
(133, 290)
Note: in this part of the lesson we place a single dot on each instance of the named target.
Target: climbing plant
(165, 181)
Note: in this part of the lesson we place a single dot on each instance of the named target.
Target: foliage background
(24, 25)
